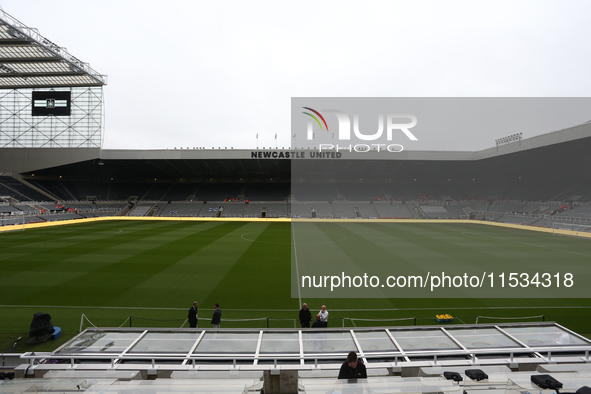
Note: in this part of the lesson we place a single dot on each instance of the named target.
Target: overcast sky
(196, 73)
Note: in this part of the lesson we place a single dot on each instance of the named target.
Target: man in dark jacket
(305, 316)
(193, 315)
(217, 316)
(352, 368)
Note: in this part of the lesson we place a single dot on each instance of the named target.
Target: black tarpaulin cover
(41, 325)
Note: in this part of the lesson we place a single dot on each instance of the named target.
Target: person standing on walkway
(305, 316)
(217, 316)
(193, 315)
(324, 316)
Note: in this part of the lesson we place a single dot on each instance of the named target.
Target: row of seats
(181, 191)
(500, 211)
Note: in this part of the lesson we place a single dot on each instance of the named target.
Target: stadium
(115, 245)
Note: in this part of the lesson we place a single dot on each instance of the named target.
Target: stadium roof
(558, 152)
(29, 60)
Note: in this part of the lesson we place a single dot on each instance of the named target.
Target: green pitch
(152, 271)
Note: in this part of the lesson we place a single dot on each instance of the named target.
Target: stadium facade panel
(42, 118)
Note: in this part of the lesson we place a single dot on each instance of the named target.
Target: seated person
(318, 323)
(352, 368)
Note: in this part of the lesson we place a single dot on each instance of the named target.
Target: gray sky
(196, 73)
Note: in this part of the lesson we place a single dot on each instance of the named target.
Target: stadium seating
(210, 210)
(579, 211)
(328, 200)
(360, 191)
(266, 192)
(219, 191)
(304, 209)
(367, 210)
(314, 191)
(393, 210)
(11, 187)
(179, 192)
(190, 209)
(141, 209)
(507, 206)
(232, 209)
(343, 210)
(517, 220)
(436, 211)
(352, 209)
(61, 216)
(273, 209)
(462, 209)
(5, 208)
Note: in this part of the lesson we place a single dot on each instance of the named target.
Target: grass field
(153, 271)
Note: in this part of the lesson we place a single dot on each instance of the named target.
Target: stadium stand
(156, 192)
(393, 210)
(141, 209)
(5, 208)
(354, 209)
(110, 205)
(219, 191)
(507, 206)
(30, 208)
(11, 187)
(312, 209)
(314, 191)
(579, 211)
(360, 191)
(344, 210)
(517, 220)
(367, 210)
(339, 206)
(436, 211)
(186, 208)
(180, 192)
(232, 209)
(272, 209)
(60, 216)
(267, 192)
(462, 209)
(211, 210)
